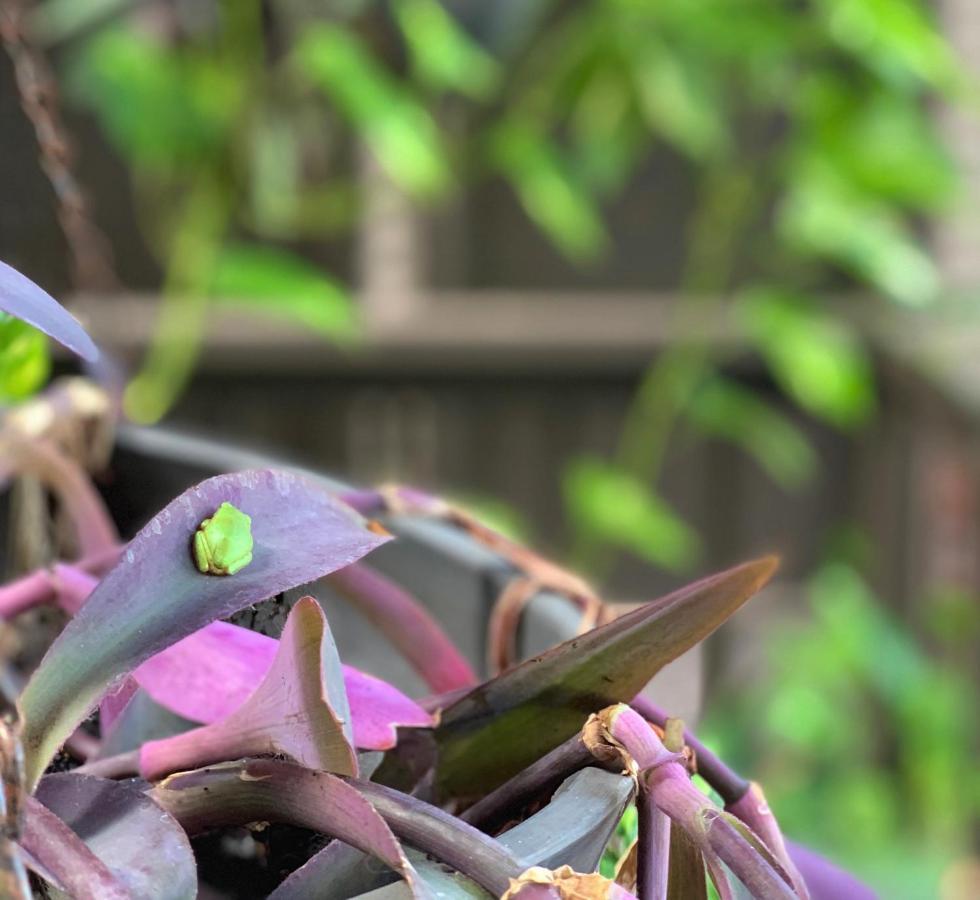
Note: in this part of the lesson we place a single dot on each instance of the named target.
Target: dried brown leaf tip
(565, 883)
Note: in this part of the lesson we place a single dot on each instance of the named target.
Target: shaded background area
(656, 290)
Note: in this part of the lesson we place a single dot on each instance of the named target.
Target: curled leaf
(211, 673)
(275, 791)
(155, 596)
(290, 713)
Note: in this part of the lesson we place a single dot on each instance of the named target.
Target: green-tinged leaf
(895, 38)
(399, 130)
(299, 710)
(612, 505)
(679, 98)
(443, 54)
(816, 358)
(119, 823)
(280, 284)
(548, 190)
(726, 409)
(686, 877)
(510, 721)
(823, 217)
(270, 790)
(571, 830)
(876, 140)
(575, 826)
(155, 595)
(159, 105)
(24, 359)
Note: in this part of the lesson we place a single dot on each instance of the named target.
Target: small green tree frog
(223, 543)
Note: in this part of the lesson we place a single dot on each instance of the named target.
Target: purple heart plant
(507, 786)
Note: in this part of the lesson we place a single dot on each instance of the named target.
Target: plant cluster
(510, 786)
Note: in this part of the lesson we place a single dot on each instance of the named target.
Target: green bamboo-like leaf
(548, 190)
(155, 595)
(443, 54)
(396, 126)
(616, 507)
(817, 359)
(276, 283)
(510, 721)
(728, 410)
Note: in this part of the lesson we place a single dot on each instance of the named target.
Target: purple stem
(664, 778)
(729, 784)
(673, 792)
(407, 624)
(653, 850)
(43, 585)
(541, 777)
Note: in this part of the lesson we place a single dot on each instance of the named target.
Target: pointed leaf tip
(24, 300)
(504, 725)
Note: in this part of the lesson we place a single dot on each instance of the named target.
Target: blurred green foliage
(864, 737)
(808, 132)
(818, 109)
(25, 359)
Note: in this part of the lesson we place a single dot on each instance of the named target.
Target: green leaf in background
(894, 38)
(160, 106)
(678, 97)
(876, 140)
(548, 190)
(25, 360)
(825, 217)
(443, 54)
(813, 356)
(737, 414)
(397, 127)
(278, 283)
(612, 505)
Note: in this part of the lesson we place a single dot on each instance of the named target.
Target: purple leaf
(275, 791)
(24, 300)
(155, 596)
(825, 880)
(209, 674)
(510, 721)
(289, 713)
(118, 823)
(55, 850)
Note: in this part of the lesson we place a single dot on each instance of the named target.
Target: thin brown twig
(91, 256)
